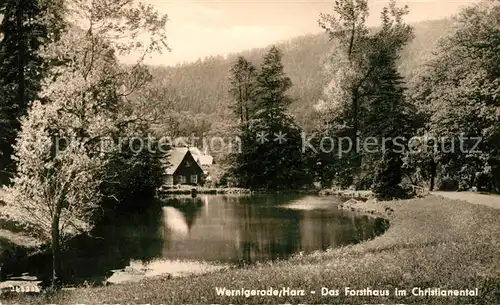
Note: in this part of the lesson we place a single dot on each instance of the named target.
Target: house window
(194, 178)
(170, 180)
(183, 179)
(188, 164)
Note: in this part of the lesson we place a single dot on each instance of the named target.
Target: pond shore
(432, 242)
(186, 190)
(359, 195)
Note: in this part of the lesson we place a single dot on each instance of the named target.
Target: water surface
(187, 235)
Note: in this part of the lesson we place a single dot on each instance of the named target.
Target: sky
(200, 28)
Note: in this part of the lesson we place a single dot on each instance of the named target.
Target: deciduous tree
(67, 142)
(243, 82)
(353, 67)
(458, 94)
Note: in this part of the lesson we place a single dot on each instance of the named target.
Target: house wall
(187, 168)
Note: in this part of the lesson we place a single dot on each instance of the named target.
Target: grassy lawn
(432, 242)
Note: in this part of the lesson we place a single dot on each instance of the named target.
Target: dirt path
(492, 201)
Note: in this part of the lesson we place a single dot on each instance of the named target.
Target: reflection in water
(265, 232)
(308, 203)
(110, 246)
(174, 221)
(188, 206)
(138, 270)
(185, 233)
(244, 230)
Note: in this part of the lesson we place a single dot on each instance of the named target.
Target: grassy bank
(14, 241)
(432, 242)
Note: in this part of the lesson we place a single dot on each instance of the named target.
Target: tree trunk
(355, 110)
(247, 115)
(21, 54)
(240, 101)
(496, 178)
(472, 181)
(56, 247)
(433, 175)
(351, 40)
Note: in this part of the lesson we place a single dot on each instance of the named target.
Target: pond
(187, 235)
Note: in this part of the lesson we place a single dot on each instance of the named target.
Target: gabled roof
(204, 159)
(176, 155)
(195, 151)
(201, 158)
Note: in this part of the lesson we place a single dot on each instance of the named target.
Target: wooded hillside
(202, 87)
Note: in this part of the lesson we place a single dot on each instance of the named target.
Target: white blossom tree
(63, 148)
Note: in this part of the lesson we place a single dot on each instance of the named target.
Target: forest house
(183, 168)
